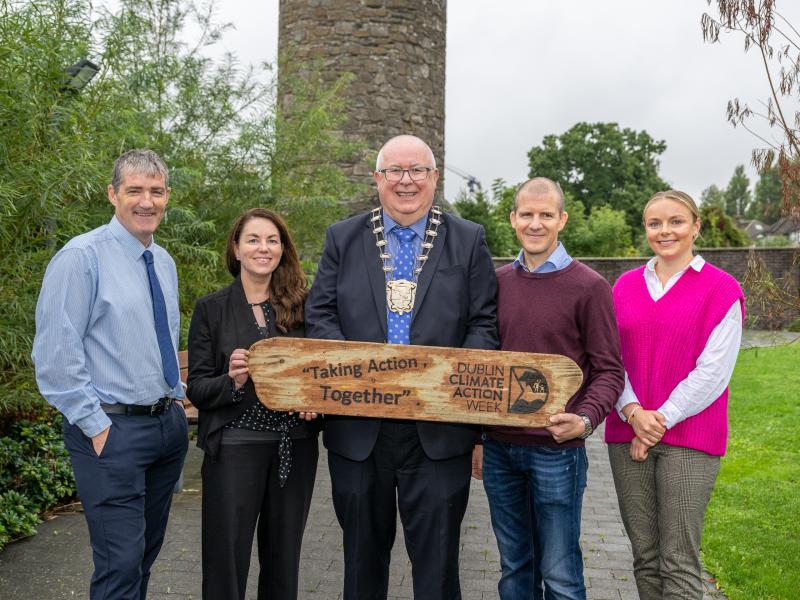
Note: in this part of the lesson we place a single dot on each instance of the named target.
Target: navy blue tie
(168, 358)
(400, 325)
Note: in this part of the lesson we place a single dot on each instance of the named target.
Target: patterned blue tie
(400, 325)
(168, 358)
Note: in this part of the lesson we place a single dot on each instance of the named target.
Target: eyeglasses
(396, 174)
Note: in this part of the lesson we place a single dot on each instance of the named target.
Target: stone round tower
(395, 50)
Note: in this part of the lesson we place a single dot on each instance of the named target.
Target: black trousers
(126, 493)
(432, 498)
(240, 491)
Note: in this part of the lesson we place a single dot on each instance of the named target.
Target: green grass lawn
(751, 539)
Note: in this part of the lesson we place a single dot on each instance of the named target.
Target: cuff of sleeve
(95, 423)
(236, 395)
(671, 414)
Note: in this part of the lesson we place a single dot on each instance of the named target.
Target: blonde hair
(677, 196)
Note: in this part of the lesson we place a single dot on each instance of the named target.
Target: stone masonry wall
(396, 51)
(782, 263)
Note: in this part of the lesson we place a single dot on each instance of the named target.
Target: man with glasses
(404, 273)
(107, 324)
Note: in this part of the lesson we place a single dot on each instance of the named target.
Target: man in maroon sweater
(534, 478)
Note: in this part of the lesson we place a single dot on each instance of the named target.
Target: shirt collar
(558, 259)
(130, 245)
(696, 264)
(418, 227)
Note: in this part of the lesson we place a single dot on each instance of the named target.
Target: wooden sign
(412, 382)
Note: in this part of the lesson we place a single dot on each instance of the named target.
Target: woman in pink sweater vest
(680, 325)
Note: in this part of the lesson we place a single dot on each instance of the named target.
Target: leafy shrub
(35, 475)
(17, 517)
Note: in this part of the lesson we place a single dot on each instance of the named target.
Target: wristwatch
(587, 423)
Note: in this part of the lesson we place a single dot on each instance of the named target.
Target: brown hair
(677, 196)
(540, 185)
(287, 286)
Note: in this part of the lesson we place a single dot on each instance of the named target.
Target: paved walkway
(56, 564)
(762, 338)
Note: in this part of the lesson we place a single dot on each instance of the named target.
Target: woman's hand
(649, 426)
(237, 368)
(306, 416)
(639, 450)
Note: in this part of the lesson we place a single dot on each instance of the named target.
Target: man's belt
(139, 410)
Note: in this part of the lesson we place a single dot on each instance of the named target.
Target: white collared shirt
(714, 366)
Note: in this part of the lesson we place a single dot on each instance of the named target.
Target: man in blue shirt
(107, 324)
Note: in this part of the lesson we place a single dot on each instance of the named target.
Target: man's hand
(477, 462)
(99, 441)
(649, 426)
(566, 426)
(639, 450)
(237, 368)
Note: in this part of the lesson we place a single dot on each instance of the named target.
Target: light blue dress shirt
(559, 259)
(95, 331)
(389, 225)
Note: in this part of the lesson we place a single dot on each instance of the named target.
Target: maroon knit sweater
(567, 312)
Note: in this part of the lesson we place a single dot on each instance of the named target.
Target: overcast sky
(519, 70)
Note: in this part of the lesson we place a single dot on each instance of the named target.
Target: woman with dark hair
(680, 326)
(259, 465)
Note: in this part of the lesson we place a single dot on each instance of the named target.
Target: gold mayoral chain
(400, 293)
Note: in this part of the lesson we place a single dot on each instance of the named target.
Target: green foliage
(753, 521)
(603, 233)
(773, 241)
(718, 230)
(17, 517)
(712, 196)
(35, 475)
(600, 164)
(479, 209)
(737, 194)
(493, 215)
(767, 200)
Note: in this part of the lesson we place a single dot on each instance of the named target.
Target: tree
(767, 199)
(600, 164)
(775, 122)
(737, 194)
(718, 229)
(604, 232)
(712, 195)
(492, 212)
(479, 209)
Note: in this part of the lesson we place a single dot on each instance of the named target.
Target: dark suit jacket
(455, 306)
(222, 322)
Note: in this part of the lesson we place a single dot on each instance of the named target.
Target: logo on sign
(527, 390)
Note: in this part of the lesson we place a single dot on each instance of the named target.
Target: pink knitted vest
(660, 344)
